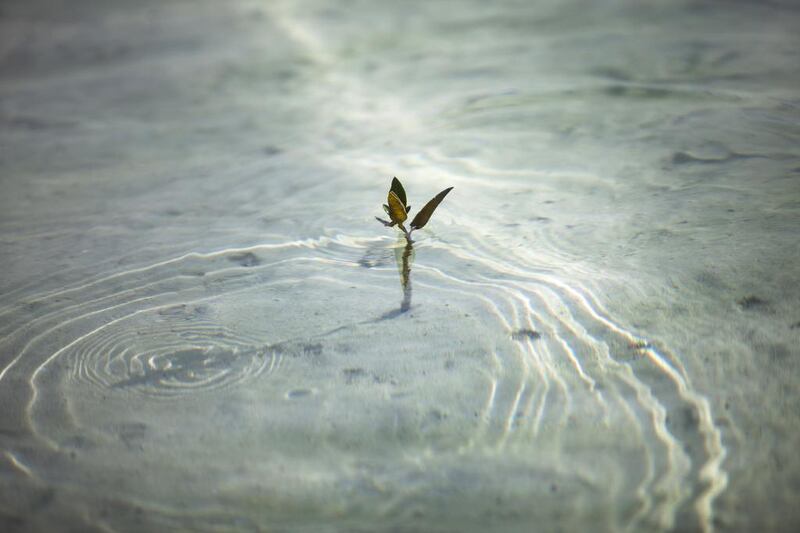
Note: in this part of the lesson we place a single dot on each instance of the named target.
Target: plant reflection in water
(397, 208)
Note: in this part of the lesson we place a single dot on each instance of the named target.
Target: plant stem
(407, 233)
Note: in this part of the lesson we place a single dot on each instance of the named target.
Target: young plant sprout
(397, 209)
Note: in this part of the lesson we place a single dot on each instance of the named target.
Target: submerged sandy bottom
(202, 327)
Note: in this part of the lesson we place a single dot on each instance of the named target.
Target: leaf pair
(397, 209)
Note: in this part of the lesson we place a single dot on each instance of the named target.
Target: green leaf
(397, 211)
(398, 189)
(425, 213)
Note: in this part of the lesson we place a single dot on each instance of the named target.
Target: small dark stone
(312, 349)
(246, 259)
(352, 374)
(437, 415)
(298, 393)
(751, 302)
(525, 334)
(691, 419)
(682, 158)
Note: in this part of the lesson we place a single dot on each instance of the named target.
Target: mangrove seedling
(397, 208)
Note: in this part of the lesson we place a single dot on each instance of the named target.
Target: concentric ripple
(167, 352)
(303, 357)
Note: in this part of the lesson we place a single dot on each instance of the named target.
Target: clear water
(201, 322)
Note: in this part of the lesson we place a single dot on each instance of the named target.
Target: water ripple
(494, 364)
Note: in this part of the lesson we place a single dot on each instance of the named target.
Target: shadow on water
(404, 256)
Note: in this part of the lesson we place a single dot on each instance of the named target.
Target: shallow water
(203, 327)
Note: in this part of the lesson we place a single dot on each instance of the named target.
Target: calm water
(202, 326)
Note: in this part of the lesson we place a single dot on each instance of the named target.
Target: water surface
(202, 326)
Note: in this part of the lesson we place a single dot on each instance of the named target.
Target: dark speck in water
(312, 349)
(752, 302)
(437, 415)
(352, 374)
(298, 393)
(246, 259)
(796, 325)
(690, 418)
(525, 334)
(270, 150)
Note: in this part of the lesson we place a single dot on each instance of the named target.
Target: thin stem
(407, 233)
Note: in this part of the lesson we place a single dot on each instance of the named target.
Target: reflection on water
(405, 258)
(199, 322)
